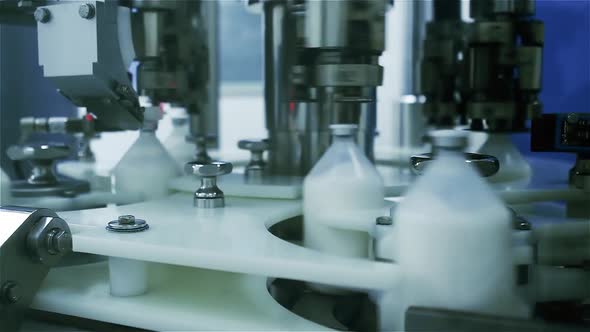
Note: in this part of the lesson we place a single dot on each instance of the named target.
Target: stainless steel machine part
(484, 164)
(257, 166)
(321, 67)
(43, 180)
(440, 71)
(85, 51)
(177, 49)
(503, 65)
(31, 242)
(451, 140)
(209, 196)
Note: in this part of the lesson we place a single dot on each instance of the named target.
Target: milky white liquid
(454, 244)
(342, 183)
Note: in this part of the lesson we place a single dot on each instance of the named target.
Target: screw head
(384, 221)
(11, 292)
(42, 15)
(86, 11)
(127, 224)
(63, 242)
(127, 219)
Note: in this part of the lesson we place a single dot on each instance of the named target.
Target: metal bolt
(384, 221)
(127, 224)
(11, 292)
(58, 241)
(62, 242)
(42, 15)
(86, 11)
(127, 219)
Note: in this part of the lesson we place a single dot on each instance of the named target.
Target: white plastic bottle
(147, 167)
(454, 239)
(514, 171)
(176, 144)
(342, 193)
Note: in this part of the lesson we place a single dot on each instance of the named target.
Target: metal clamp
(486, 165)
(32, 241)
(209, 196)
(43, 180)
(256, 166)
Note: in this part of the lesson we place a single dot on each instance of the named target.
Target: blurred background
(566, 68)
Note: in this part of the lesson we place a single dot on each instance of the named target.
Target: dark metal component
(429, 319)
(42, 15)
(209, 195)
(384, 221)
(127, 224)
(486, 165)
(43, 180)
(86, 11)
(31, 241)
(11, 292)
(561, 133)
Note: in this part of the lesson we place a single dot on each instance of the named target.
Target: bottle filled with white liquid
(454, 238)
(342, 185)
(147, 167)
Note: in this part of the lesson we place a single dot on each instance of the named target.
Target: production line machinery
(315, 231)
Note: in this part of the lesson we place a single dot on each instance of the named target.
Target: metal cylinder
(321, 68)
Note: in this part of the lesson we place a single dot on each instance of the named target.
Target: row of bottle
(453, 235)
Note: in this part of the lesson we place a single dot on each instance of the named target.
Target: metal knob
(209, 195)
(256, 166)
(486, 165)
(43, 179)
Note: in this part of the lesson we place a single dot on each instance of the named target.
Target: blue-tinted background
(566, 67)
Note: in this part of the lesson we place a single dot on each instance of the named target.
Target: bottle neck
(342, 139)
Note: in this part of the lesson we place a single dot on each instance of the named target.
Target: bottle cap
(344, 129)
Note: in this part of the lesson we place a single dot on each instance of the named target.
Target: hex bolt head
(86, 11)
(127, 219)
(11, 292)
(213, 169)
(63, 242)
(42, 15)
(384, 221)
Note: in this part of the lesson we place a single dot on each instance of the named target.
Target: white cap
(448, 139)
(344, 129)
